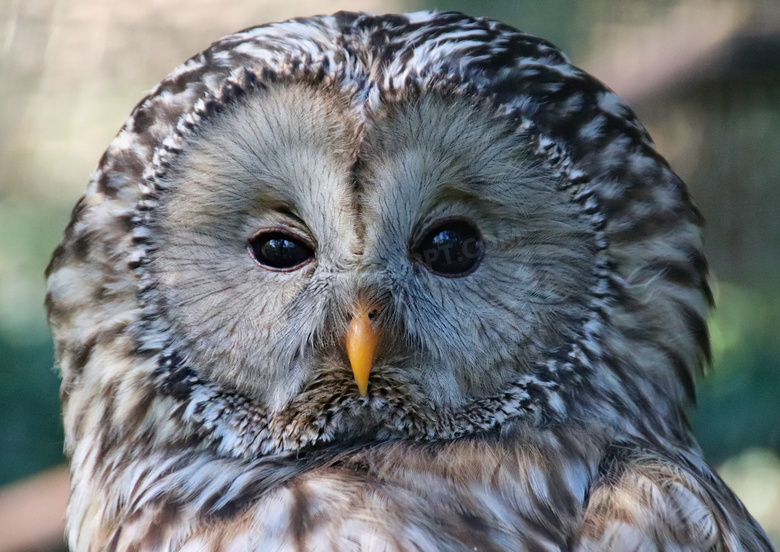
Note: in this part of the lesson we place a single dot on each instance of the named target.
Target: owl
(385, 283)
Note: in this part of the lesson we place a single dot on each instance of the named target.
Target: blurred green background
(703, 75)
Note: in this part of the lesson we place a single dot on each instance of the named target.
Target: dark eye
(451, 248)
(277, 250)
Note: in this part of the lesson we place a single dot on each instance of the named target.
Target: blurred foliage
(30, 427)
(738, 403)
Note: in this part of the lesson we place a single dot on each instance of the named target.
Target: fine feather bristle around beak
(362, 339)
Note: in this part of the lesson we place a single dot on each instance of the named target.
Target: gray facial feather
(293, 166)
(246, 327)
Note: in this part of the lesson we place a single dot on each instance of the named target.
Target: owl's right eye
(279, 251)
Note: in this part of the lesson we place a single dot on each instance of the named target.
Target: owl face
(294, 210)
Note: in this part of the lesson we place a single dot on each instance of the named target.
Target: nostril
(372, 314)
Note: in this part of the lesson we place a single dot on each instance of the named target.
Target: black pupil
(279, 251)
(451, 249)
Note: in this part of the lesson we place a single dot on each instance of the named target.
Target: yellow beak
(362, 339)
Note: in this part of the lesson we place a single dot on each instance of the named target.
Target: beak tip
(361, 343)
(360, 371)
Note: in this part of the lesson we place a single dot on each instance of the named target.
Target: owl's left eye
(452, 248)
(276, 250)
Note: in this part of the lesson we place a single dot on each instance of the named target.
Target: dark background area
(703, 75)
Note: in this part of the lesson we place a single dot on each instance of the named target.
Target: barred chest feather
(556, 490)
(484, 494)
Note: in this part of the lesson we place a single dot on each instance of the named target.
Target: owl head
(351, 227)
